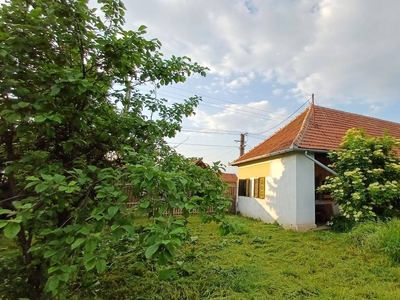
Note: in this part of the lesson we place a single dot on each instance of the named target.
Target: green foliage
(75, 130)
(289, 265)
(379, 237)
(368, 168)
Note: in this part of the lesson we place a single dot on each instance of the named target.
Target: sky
(266, 58)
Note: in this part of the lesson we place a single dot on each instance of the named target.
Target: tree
(368, 169)
(75, 129)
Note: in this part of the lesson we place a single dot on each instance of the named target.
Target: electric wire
(242, 110)
(285, 119)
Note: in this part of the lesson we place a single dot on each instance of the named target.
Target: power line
(204, 145)
(219, 99)
(285, 119)
(242, 110)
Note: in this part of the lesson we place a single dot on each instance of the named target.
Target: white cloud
(337, 49)
(254, 117)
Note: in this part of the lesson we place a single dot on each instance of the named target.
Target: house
(231, 179)
(279, 177)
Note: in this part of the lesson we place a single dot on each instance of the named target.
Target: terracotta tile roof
(320, 128)
(229, 177)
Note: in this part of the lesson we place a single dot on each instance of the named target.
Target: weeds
(262, 262)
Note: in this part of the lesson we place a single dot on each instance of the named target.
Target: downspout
(319, 164)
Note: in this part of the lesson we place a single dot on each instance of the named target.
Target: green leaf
(4, 211)
(8, 170)
(55, 89)
(41, 187)
(63, 277)
(47, 177)
(117, 233)
(144, 204)
(178, 230)
(23, 104)
(90, 264)
(77, 243)
(166, 274)
(52, 269)
(190, 206)
(151, 250)
(101, 265)
(52, 283)
(70, 240)
(3, 223)
(68, 146)
(91, 245)
(112, 211)
(50, 253)
(84, 230)
(11, 230)
(129, 228)
(40, 119)
(142, 28)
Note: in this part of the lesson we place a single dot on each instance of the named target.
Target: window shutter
(262, 187)
(256, 190)
(247, 187)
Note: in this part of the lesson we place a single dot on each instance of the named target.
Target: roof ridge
(304, 126)
(272, 135)
(359, 115)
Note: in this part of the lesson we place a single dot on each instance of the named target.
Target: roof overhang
(292, 148)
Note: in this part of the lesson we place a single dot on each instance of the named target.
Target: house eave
(262, 156)
(292, 148)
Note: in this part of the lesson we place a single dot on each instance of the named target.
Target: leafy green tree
(368, 170)
(75, 129)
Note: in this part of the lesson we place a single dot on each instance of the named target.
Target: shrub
(366, 186)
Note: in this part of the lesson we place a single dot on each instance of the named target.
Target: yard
(261, 262)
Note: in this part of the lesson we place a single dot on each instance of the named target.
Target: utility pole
(242, 145)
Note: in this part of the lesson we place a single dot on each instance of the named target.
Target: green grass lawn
(264, 261)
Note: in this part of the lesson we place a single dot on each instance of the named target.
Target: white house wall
(305, 193)
(289, 192)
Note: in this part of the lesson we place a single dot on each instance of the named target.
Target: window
(259, 187)
(244, 187)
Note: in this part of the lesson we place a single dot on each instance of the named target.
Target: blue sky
(266, 58)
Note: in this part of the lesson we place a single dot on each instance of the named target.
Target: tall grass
(380, 237)
(259, 261)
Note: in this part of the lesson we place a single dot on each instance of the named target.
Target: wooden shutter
(247, 187)
(262, 187)
(256, 190)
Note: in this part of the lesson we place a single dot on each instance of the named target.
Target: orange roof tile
(320, 128)
(229, 177)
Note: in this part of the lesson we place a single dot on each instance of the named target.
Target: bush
(366, 186)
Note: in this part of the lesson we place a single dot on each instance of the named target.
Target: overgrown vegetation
(260, 261)
(74, 129)
(366, 186)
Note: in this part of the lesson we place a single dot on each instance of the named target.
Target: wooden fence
(132, 202)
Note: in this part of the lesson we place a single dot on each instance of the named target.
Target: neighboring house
(231, 179)
(278, 178)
